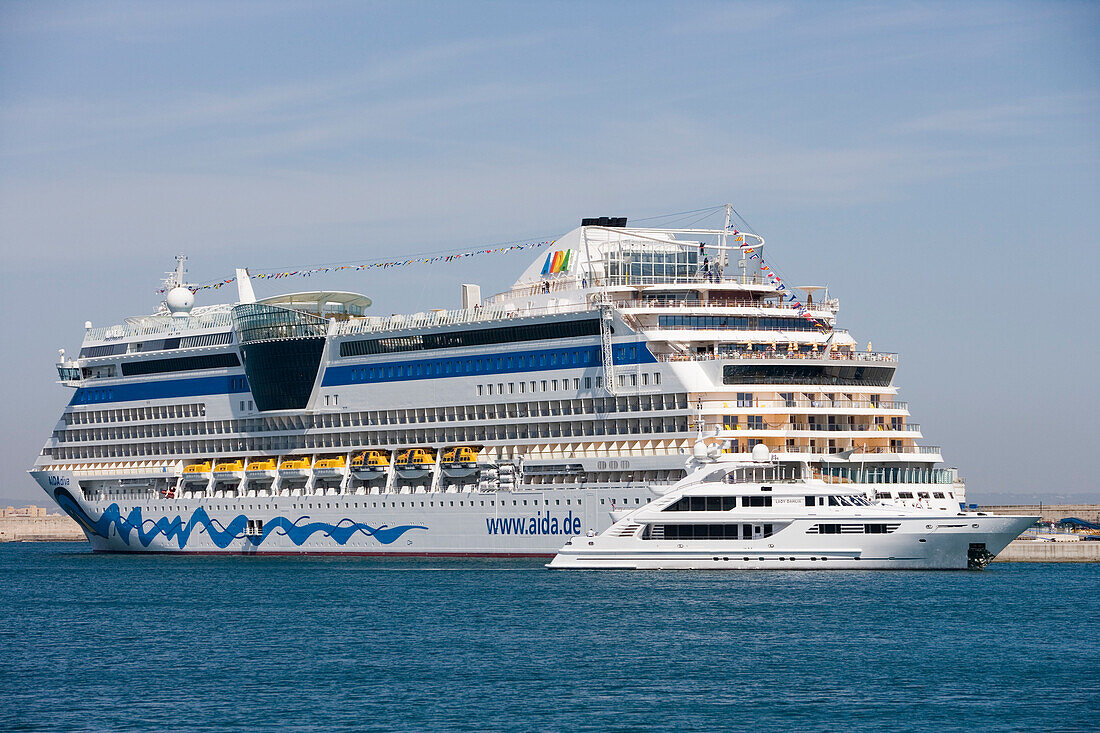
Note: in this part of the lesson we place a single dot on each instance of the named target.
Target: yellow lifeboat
(229, 467)
(261, 464)
(370, 459)
(292, 468)
(415, 458)
(414, 462)
(329, 466)
(460, 460)
(196, 472)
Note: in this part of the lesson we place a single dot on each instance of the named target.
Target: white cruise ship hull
(462, 524)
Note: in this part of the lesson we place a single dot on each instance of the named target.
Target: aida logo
(559, 261)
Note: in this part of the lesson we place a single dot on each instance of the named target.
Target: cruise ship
(301, 423)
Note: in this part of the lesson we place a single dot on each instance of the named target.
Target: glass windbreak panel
(281, 351)
(652, 263)
(736, 323)
(764, 474)
(257, 322)
(479, 337)
(823, 374)
(871, 474)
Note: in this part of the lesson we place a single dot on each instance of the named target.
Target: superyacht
(300, 423)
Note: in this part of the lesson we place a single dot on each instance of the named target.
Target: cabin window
(811, 501)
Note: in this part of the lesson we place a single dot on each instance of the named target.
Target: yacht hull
(934, 543)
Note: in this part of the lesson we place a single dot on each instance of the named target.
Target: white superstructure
(762, 514)
(299, 423)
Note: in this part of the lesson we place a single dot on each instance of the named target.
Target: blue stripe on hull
(514, 362)
(160, 390)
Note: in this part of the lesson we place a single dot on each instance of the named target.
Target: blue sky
(934, 163)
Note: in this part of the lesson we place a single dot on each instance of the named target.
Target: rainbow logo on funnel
(558, 262)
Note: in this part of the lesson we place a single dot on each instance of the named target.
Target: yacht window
(844, 501)
(756, 501)
(833, 501)
(937, 494)
(811, 501)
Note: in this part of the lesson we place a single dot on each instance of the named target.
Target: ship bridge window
(180, 364)
(480, 337)
(756, 501)
(703, 504)
(832, 374)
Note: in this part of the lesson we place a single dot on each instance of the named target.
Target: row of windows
(478, 337)
(553, 385)
(716, 503)
(168, 344)
(128, 414)
(852, 528)
(635, 428)
(598, 406)
(709, 531)
(920, 494)
(180, 364)
(502, 363)
(850, 375)
(738, 323)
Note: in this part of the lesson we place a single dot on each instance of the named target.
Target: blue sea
(141, 643)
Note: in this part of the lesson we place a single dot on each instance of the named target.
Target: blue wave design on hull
(221, 535)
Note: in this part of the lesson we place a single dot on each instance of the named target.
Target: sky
(935, 164)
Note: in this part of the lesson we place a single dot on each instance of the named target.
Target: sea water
(140, 642)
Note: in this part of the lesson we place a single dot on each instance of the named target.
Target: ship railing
(862, 356)
(829, 404)
(826, 428)
(828, 308)
(863, 451)
(156, 325)
(373, 324)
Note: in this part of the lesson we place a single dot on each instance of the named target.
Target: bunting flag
(504, 249)
(784, 291)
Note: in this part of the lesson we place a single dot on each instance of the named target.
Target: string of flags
(387, 264)
(779, 284)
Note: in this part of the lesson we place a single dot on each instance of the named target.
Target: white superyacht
(299, 423)
(762, 514)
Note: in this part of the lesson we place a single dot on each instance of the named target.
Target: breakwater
(33, 524)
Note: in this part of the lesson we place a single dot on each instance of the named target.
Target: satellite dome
(760, 453)
(179, 301)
